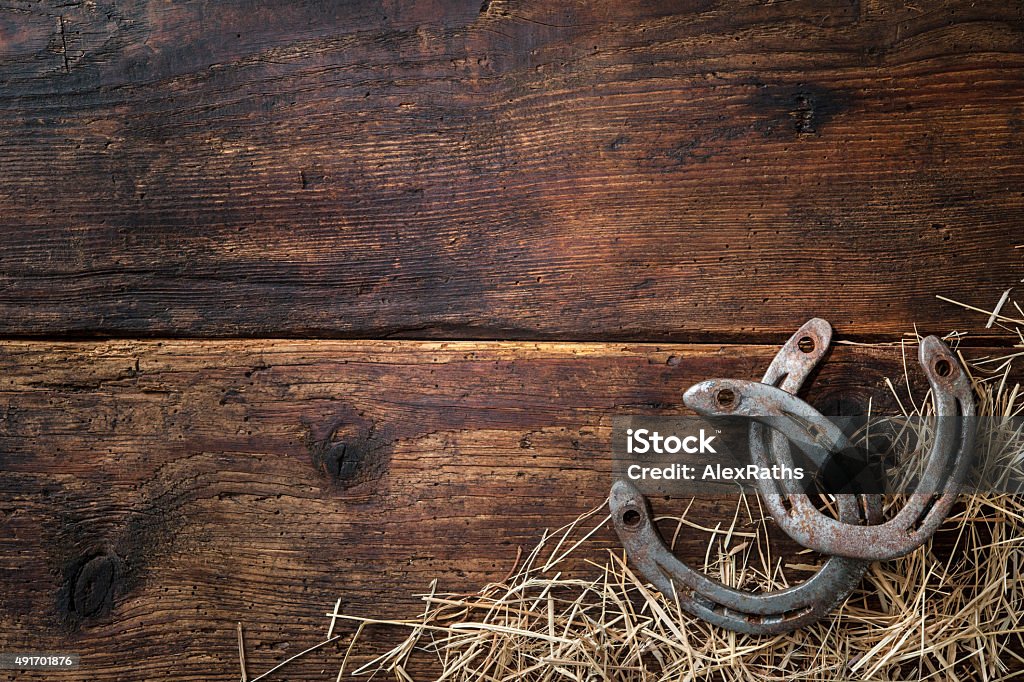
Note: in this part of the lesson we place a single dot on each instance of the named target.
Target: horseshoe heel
(947, 465)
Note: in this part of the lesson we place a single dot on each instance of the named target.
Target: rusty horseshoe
(754, 613)
(946, 468)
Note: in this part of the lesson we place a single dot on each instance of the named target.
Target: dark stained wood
(155, 493)
(686, 171)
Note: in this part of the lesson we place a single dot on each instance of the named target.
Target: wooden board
(647, 171)
(200, 483)
(681, 173)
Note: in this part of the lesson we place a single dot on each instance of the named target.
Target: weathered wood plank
(575, 170)
(259, 481)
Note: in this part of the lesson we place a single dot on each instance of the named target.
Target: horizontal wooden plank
(508, 169)
(197, 483)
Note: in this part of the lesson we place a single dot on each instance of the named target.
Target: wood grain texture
(155, 493)
(697, 170)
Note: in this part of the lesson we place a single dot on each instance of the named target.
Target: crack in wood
(64, 44)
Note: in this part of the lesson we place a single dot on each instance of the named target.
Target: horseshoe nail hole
(726, 398)
(806, 344)
(943, 368)
(631, 518)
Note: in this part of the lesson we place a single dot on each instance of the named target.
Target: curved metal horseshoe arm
(811, 340)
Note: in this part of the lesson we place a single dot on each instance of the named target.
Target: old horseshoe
(731, 608)
(947, 464)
